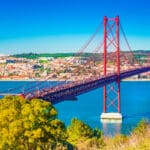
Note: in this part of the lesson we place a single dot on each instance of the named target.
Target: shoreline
(29, 80)
(132, 80)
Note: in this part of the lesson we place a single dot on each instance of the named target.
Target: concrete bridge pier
(111, 117)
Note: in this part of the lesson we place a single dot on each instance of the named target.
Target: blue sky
(65, 25)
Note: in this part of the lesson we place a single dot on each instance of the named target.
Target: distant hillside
(36, 55)
(55, 55)
(61, 55)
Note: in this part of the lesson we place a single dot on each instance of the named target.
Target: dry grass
(138, 140)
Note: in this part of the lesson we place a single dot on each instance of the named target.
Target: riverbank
(130, 79)
(62, 80)
(26, 80)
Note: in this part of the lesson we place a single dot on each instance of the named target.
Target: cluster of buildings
(49, 68)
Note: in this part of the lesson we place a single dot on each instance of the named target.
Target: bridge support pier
(111, 117)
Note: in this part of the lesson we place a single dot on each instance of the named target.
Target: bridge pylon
(115, 111)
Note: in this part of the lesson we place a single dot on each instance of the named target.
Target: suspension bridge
(115, 65)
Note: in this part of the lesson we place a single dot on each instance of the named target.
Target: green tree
(79, 132)
(29, 124)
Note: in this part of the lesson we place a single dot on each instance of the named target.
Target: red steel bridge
(114, 65)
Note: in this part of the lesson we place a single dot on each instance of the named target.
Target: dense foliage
(79, 131)
(83, 136)
(29, 124)
(33, 125)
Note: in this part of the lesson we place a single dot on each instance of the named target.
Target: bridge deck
(73, 89)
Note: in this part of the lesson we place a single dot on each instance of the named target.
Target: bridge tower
(114, 42)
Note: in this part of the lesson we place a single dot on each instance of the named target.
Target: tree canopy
(29, 124)
(79, 131)
(33, 125)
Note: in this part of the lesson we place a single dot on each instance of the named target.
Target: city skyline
(65, 25)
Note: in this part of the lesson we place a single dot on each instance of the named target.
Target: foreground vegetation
(33, 125)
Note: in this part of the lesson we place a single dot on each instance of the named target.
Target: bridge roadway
(73, 89)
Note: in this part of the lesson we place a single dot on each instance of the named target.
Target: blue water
(135, 105)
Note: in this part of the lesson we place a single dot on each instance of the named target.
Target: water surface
(135, 104)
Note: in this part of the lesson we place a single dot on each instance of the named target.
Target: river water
(135, 105)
